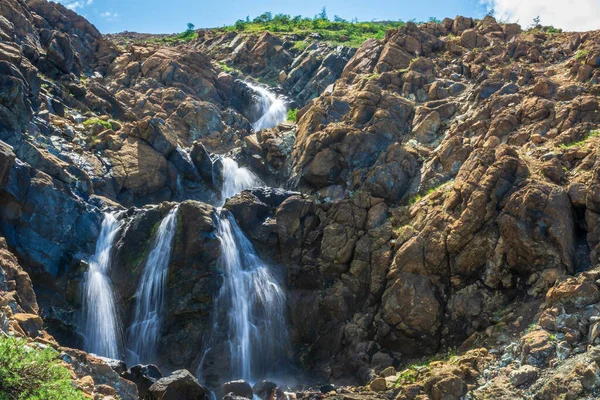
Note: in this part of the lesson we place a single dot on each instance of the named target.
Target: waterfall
(236, 179)
(255, 328)
(101, 328)
(271, 107)
(142, 336)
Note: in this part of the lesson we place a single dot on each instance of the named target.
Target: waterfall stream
(271, 107)
(101, 327)
(254, 329)
(143, 334)
(236, 179)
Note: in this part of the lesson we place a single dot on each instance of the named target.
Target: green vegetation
(412, 372)
(581, 55)
(301, 45)
(225, 67)
(27, 373)
(292, 115)
(339, 31)
(97, 121)
(417, 197)
(186, 36)
(590, 134)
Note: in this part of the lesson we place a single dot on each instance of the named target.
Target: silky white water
(101, 327)
(271, 107)
(142, 335)
(255, 328)
(236, 179)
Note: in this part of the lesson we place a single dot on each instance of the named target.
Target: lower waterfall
(101, 327)
(143, 334)
(254, 326)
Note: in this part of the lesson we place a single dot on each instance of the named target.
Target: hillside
(326, 209)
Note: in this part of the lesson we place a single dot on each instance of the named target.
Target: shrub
(27, 373)
(292, 115)
(97, 121)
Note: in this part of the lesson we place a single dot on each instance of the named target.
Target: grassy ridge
(339, 31)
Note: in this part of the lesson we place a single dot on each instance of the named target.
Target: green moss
(29, 373)
(97, 121)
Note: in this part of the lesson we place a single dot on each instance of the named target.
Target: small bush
(27, 373)
(97, 121)
(292, 115)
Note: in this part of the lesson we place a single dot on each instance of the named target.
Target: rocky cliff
(445, 196)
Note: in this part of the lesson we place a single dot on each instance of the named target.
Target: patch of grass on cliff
(300, 45)
(29, 373)
(292, 115)
(581, 55)
(339, 31)
(590, 134)
(97, 121)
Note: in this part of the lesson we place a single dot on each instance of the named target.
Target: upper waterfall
(101, 328)
(271, 107)
(143, 334)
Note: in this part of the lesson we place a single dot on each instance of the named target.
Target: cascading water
(271, 107)
(101, 327)
(143, 333)
(255, 328)
(236, 179)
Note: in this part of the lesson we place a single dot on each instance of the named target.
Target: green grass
(581, 55)
(225, 67)
(350, 33)
(292, 115)
(27, 373)
(300, 45)
(97, 121)
(417, 197)
(590, 134)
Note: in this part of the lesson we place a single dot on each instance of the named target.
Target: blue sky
(160, 16)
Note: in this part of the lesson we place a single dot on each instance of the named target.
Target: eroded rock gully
(444, 200)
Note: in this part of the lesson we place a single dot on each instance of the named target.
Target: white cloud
(110, 16)
(75, 4)
(570, 15)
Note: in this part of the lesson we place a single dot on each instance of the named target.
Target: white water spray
(143, 334)
(101, 328)
(255, 329)
(236, 179)
(271, 107)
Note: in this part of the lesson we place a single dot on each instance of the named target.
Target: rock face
(447, 189)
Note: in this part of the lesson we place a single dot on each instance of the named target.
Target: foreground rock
(180, 385)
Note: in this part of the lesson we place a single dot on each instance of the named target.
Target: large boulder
(180, 385)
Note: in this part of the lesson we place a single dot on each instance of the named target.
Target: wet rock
(144, 376)
(7, 159)
(180, 385)
(237, 388)
(264, 389)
